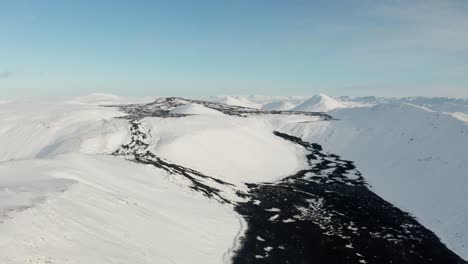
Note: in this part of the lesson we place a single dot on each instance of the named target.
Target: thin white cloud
(5, 74)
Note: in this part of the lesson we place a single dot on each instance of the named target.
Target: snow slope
(114, 212)
(237, 101)
(63, 199)
(413, 157)
(63, 202)
(29, 129)
(22, 188)
(460, 116)
(439, 104)
(234, 149)
(319, 103)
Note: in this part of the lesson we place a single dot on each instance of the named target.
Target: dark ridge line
(137, 151)
(208, 191)
(162, 107)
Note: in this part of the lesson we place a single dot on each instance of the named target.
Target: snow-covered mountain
(439, 104)
(220, 181)
(316, 103)
(319, 103)
(414, 157)
(235, 100)
(278, 105)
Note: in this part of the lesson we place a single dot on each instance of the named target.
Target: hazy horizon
(272, 97)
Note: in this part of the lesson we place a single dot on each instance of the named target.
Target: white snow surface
(460, 116)
(439, 104)
(235, 149)
(234, 100)
(412, 156)
(40, 129)
(113, 212)
(319, 103)
(63, 200)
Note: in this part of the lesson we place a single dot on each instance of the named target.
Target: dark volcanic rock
(162, 108)
(326, 214)
(323, 214)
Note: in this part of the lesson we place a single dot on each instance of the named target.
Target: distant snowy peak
(319, 103)
(237, 101)
(278, 106)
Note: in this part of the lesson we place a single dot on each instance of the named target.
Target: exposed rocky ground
(327, 214)
(162, 108)
(323, 214)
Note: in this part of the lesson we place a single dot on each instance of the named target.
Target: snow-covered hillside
(316, 103)
(64, 201)
(412, 156)
(234, 100)
(226, 147)
(439, 104)
(319, 103)
(180, 180)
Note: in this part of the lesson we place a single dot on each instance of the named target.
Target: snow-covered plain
(63, 199)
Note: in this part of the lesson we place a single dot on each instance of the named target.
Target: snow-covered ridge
(164, 107)
(439, 104)
(324, 103)
(319, 103)
(240, 101)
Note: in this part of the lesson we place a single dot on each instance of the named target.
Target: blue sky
(198, 47)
